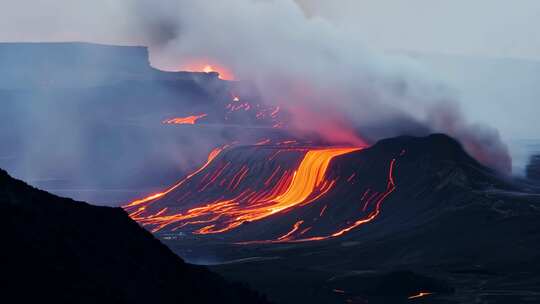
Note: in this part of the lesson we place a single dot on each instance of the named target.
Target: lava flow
(376, 199)
(420, 295)
(291, 188)
(155, 196)
(189, 120)
(224, 194)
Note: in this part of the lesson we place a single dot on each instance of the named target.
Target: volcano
(413, 203)
(296, 193)
(302, 217)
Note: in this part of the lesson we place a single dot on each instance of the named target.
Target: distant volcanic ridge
(59, 65)
(291, 193)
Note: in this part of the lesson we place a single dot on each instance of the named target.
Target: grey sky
(497, 28)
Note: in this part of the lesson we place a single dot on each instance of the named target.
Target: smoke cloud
(301, 62)
(309, 66)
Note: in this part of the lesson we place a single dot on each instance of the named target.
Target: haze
(482, 30)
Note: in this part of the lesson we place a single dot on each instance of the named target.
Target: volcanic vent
(274, 193)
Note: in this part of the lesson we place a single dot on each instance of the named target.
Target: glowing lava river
(267, 194)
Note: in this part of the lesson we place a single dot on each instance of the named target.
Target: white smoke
(309, 64)
(303, 63)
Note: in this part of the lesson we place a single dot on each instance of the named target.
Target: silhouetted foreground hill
(59, 250)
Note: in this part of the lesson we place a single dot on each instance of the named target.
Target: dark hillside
(62, 251)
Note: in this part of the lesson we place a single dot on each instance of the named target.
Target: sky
(496, 28)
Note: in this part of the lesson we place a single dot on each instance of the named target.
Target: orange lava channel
(293, 188)
(378, 198)
(420, 295)
(155, 196)
(189, 120)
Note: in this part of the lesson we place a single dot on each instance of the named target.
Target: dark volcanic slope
(403, 182)
(59, 250)
(235, 193)
(447, 217)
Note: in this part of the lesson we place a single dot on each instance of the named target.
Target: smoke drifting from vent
(307, 66)
(303, 63)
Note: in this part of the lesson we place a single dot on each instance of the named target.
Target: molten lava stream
(189, 120)
(288, 234)
(291, 188)
(379, 199)
(420, 295)
(156, 196)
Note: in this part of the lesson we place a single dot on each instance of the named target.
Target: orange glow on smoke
(326, 122)
(189, 120)
(206, 66)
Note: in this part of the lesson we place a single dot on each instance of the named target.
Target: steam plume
(294, 59)
(307, 63)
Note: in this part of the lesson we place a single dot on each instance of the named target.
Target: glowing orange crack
(156, 196)
(188, 120)
(286, 236)
(420, 295)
